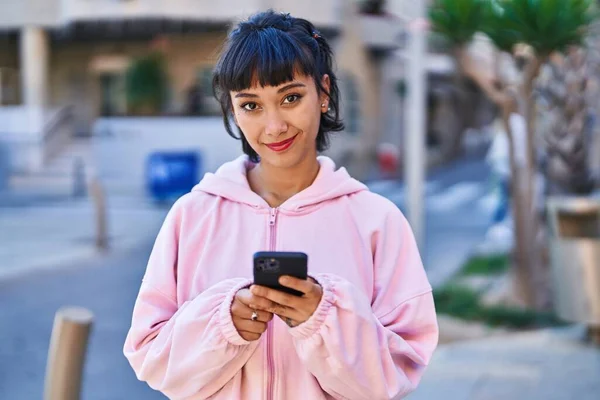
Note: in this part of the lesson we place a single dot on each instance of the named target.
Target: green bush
(458, 301)
(146, 84)
(491, 265)
(464, 303)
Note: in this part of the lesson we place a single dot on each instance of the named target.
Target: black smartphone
(269, 266)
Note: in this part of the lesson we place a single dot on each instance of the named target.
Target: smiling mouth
(283, 145)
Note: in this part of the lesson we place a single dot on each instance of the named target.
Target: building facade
(62, 62)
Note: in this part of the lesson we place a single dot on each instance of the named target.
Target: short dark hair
(271, 47)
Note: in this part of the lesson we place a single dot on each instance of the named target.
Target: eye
(250, 106)
(292, 98)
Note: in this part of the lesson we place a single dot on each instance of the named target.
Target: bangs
(267, 57)
(271, 49)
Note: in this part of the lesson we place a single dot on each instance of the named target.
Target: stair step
(58, 173)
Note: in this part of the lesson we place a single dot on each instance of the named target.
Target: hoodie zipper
(272, 245)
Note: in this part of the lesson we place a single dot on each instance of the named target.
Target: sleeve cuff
(314, 323)
(225, 322)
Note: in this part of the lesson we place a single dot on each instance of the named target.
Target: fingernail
(283, 280)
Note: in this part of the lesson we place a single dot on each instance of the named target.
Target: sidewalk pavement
(47, 229)
(549, 365)
(554, 364)
(458, 208)
(39, 233)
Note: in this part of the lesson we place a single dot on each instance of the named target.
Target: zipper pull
(273, 216)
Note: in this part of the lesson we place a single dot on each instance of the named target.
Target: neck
(276, 185)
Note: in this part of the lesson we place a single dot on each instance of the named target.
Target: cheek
(249, 126)
(308, 119)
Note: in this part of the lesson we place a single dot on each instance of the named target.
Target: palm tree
(566, 109)
(542, 28)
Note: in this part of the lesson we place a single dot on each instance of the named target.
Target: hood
(230, 182)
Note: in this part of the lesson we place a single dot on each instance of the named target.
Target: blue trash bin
(169, 175)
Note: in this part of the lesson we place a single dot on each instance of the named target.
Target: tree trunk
(531, 224)
(521, 258)
(528, 273)
(565, 85)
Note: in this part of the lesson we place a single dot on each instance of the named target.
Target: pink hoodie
(371, 336)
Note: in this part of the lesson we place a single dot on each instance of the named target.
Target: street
(107, 285)
(485, 117)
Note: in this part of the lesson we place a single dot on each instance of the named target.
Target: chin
(282, 160)
(286, 159)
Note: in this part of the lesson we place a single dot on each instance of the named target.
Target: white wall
(318, 11)
(22, 136)
(205, 9)
(18, 13)
(22, 122)
(47, 13)
(121, 147)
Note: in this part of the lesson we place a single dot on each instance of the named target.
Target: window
(200, 98)
(350, 102)
(205, 80)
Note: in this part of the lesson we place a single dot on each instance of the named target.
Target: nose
(276, 124)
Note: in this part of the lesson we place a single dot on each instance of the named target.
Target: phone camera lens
(261, 265)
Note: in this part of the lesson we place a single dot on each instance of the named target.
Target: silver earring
(323, 105)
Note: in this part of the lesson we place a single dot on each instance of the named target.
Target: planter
(574, 228)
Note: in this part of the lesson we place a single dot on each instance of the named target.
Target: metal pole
(1, 86)
(99, 198)
(415, 135)
(66, 355)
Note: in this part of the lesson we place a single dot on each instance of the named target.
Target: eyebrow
(281, 90)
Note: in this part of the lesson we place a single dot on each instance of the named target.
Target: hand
(294, 310)
(241, 314)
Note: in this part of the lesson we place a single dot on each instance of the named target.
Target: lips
(283, 145)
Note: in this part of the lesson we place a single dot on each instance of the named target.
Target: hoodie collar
(230, 182)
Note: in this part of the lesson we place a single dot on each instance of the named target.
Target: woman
(365, 327)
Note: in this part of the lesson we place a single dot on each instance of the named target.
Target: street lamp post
(414, 150)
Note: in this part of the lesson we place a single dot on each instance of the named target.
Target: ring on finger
(254, 316)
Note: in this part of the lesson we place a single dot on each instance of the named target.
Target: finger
(289, 321)
(305, 286)
(250, 326)
(262, 303)
(244, 296)
(255, 302)
(249, 336)
(277, 296)
(286, 312)
(241, 310)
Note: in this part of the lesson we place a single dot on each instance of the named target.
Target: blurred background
(478, 118)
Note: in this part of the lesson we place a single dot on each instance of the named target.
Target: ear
(326, 84)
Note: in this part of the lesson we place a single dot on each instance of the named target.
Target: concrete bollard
(99, 198)
(593, 334)
(66, 356)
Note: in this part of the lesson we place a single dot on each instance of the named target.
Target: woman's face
(281, 122)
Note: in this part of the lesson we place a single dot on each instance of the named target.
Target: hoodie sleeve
(362, 348)
(188, 349)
